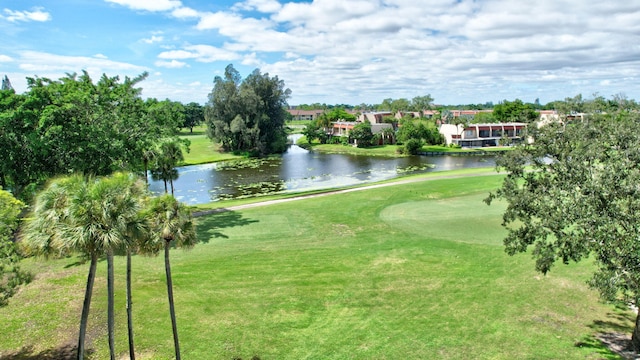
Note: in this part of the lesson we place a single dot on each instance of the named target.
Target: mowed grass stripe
(374, 274)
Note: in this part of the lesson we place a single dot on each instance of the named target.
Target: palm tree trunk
(132, 353)
(171, 182)
(84, 318)
(146, 170)
(172, 311)
(166, 190)
(110, 305)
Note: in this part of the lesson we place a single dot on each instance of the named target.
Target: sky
(335, 51)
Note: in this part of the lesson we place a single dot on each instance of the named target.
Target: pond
(301, 170)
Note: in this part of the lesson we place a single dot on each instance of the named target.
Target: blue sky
(335, 51)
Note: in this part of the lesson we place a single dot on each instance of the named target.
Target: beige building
(482, 135)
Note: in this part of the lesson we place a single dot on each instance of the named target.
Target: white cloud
(184, 13)
(100, 56)
(265, 6)
(173, 64)
(5, 58)
(148, 5)
(153, 39)
(200, 53)
(36, 15)
(252, 60)
(36, 62)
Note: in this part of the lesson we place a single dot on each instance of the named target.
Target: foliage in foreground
(101, 217)
(582, 198)
(74, 124)
(11, 276)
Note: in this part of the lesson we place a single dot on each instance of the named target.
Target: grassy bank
(202, 150)
(385, 150)
(413, 271)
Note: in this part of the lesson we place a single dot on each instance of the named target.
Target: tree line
(578, 104)
(73, 125)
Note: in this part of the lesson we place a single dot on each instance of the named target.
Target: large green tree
(77, 125)
(421, 103)
(193, 115)
(362, 134)
(515, 111)
(172, 223)
(247, 115)
(575, 193)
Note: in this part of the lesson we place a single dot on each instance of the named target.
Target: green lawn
(386, 150)
(413, 271)
(202, 150)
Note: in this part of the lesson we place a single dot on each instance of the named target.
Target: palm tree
(168, 156)
(127, 216)
(148, 156)
(48, 232)
(87, 215)
(171, 220)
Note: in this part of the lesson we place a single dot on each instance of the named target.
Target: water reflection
(300, 170)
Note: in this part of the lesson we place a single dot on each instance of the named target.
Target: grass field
(202, 150)
(414, 271)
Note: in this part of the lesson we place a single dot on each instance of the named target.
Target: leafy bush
(412, 146)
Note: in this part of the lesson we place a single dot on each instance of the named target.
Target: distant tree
(408, 130)
(385, 105)
(400, 105)
(339, 114)
(388, 135)
(314, 131)
(167, 114)
(256, 105)
(167, 157)
(574, 194)
(193, 115)
(483, 118)
(412, 146)
(420, 103)
(514, 111)
(362, 134)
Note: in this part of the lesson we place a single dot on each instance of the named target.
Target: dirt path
(332, 192)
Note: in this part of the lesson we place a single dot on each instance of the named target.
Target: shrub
(412, 146)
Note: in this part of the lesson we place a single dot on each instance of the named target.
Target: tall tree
(421, 103)
(193, 115)
(172, 222)
(167, 157)
(362, 134)
(92, 216)
(248, 115)
(581, 198)
(48, 233)
(127, 216)
(514, 111)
